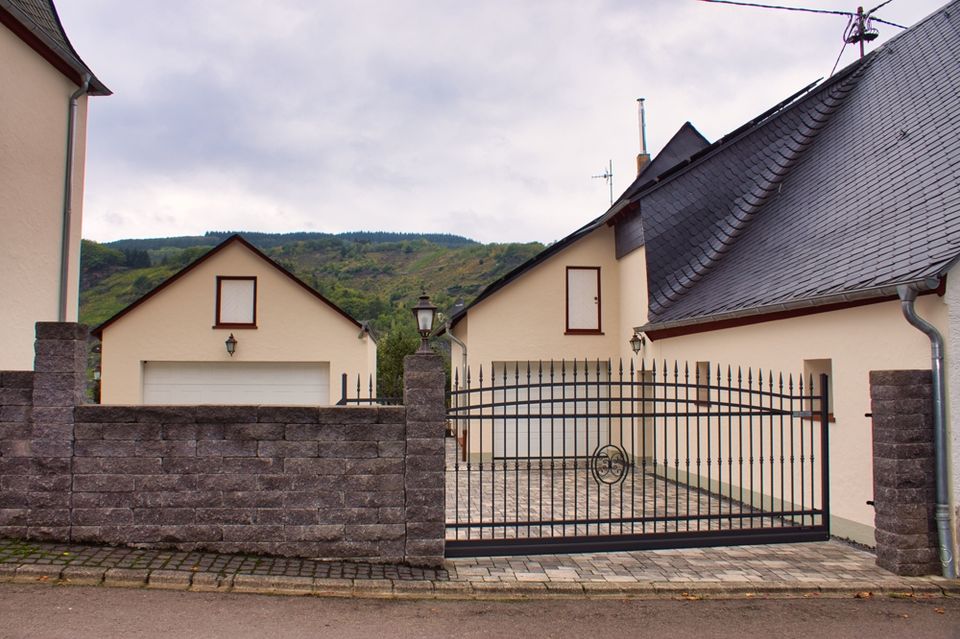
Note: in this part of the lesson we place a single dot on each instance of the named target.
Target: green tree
(401, 340)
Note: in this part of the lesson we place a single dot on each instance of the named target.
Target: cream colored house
(43, 115)
(290, 344)
(779, 247)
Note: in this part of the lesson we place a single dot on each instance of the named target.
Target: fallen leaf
(905, 616)
(866, 594)
(43, 578)
(939, 611)
(901, 595)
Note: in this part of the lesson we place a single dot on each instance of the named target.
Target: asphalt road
(40, 612)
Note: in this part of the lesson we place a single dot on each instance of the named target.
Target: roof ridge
(745, 208)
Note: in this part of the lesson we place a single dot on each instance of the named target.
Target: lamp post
(424, 312)
(231, 344)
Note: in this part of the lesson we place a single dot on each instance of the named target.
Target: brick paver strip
(813, 569)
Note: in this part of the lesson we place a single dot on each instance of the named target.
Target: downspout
(908, 295)
(448, 332)
(68, 196)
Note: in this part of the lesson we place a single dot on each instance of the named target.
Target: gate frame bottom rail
(645, 541)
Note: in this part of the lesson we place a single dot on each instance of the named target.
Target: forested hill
(373, 276)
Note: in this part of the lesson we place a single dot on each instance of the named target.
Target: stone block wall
(361, 483)
(903, 471)
(292, 481)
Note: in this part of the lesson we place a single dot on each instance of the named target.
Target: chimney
(643, 158)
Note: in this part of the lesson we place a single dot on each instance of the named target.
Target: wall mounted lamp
(231, 344)
(637, 342)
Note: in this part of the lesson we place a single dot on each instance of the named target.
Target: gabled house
(233, 327)
(779, 247)
(573, 299)
(43, 115)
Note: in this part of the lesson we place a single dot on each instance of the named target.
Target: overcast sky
(485, 119)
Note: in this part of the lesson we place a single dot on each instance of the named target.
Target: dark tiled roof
(685, 143)
(853, 187)
(41, 19)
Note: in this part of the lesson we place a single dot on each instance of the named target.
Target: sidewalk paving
(814, 569)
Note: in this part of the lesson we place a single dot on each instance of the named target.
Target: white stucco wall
(177, 325)
(856, 340)
(526, 320)
(33, 129)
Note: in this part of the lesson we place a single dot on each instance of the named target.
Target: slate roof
(684, 142)
(40, 18)
(850, 189)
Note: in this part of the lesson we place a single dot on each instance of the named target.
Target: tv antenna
(859, 27)
(608, 176)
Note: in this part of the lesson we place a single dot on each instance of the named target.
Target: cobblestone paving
(39, 553)
(566, 490)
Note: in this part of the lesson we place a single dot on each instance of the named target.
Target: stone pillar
(59, 385)
(424, 389)
(904, 482)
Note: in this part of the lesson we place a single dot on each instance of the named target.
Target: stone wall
(362, 483)
(903, 471)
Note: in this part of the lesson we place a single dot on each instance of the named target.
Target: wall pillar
(59, 385)
(904, 481)
(424, 398)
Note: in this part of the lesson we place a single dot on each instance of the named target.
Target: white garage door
(277, 383)
(562, 428)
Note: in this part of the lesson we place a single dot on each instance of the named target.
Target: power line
(777, 6)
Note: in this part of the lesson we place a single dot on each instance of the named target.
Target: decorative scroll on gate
(579, 456)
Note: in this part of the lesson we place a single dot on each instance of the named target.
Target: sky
(483, 119)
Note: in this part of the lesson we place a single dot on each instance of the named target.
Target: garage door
(562, 428)
(278, 383)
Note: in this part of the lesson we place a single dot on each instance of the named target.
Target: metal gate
(576, 456)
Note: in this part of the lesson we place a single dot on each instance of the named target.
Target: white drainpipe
(68, 196)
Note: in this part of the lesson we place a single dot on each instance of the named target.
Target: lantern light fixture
(231, 344)
(425, 313)
(637, 342)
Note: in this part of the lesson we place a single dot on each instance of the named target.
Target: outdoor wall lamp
(425, 313)
(637, 342)
(231, 344)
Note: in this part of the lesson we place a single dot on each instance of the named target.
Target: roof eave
(71, 66)
(768, 312)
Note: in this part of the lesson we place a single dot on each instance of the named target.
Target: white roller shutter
(276, 383)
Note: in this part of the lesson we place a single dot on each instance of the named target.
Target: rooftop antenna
(859, 27)
(608, 176)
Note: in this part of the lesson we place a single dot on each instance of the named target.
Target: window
(583, 300)
(815, 368)
(236, 302)
(703, 382)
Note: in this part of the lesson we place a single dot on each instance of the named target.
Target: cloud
(483, 119)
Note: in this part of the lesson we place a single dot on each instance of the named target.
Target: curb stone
(125, 577)
(169, 580)
(460, 590)
(31, 573)
(82, 576)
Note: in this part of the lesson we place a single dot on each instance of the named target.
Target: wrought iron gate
(576, 456)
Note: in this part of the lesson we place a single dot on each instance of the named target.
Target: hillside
(373, 276)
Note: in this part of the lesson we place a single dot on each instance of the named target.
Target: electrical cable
(774, 6)
(842, 49)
